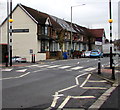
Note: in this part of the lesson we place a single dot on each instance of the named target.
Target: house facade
(46, 35)
(99, 38)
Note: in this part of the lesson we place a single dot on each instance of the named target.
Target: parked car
(86, 54)
(19, 59)
(96, 53)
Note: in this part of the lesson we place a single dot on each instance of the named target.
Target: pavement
(110, 100)
(3, 65)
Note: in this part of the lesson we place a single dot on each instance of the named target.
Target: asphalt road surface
(56, 84)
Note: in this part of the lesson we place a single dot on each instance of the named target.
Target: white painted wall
(23, 42)
(3, 33)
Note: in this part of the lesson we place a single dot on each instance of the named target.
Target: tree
(61, 34)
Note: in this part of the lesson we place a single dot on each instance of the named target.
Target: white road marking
(85, 80)
(55, 99)
(82, 97)
(64, 67)
(64, 102)
(58, 95)
(94, 88)
(67, 88)
(76, 68)
(89, 69)
(24, 75)
(31, 66)
(7, 69)
(42, 66)
(40, 70)
(23, 70)
(97, 81)
(16, 76)
(54, 66)
(68, 70)
(76, 78)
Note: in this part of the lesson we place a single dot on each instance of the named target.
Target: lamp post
(71, 27)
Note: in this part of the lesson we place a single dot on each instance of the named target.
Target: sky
(94, 14)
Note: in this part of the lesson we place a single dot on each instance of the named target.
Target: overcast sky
(94, 14)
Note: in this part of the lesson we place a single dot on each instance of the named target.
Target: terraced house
(46, 36)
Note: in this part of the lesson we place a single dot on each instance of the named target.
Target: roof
(97, 32)
(40, 17)
(63, 24)
(37, 15)
(57, 23)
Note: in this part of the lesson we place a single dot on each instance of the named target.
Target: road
(55, 84)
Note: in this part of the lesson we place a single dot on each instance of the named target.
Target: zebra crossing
(44, 66)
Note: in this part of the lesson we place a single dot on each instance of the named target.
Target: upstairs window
(43, 30)
(46, 30)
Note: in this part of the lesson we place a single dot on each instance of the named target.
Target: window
(42, 46)
(46, 30)
(43, 30)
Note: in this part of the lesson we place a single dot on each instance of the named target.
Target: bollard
(113, 72)
(32, 58)
(6, 60)
(99, 66)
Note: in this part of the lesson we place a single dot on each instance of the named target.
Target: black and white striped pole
(111, 55)
(10, 30)
(110, 21)
(99, 66)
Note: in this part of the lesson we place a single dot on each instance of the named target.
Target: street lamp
(71, 26)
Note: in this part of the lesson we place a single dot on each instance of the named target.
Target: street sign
(98, 43)
(20, 30)
(31, 51)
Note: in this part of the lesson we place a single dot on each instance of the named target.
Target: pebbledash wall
(27, 40)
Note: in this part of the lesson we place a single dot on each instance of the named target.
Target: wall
(23, 42)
